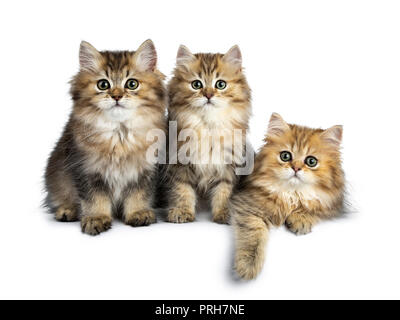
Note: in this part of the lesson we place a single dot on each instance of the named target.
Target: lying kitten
(99, 167)
(297, 180)
(208, 94)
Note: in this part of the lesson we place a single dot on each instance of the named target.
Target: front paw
(94, 225)
(140, 218)
(178, 215)
(298, 225)
(221, 216)
(247, 266)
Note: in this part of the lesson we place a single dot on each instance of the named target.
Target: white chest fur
(306, 195)
(119, 155)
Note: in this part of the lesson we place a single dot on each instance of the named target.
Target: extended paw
(298, 225)
(178, 215)
(221, 216)
(96, 224)
(65, 214)
(140, 218)
(247, 267)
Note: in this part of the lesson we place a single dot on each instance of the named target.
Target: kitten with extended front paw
(209, 98)
(297, 180)
(99, 167)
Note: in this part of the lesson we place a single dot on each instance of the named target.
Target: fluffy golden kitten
(99, 167)
(297, 180)
(209, 95)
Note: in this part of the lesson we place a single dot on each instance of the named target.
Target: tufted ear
(333, 135)
(234, 57)
(89, 57)
(277, 126)
(184, 56)
(146, 56)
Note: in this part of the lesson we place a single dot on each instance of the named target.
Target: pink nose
(296, 169)
(116, 98)
(209, 95)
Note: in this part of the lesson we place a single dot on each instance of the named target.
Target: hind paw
(65, 214)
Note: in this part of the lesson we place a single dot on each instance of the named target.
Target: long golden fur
(99, 167)
(215, 113)
(289, 192)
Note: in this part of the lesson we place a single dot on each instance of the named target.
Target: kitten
(208, 94)
(297, 180)
(99, 168)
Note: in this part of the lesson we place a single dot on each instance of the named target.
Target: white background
(317, 63)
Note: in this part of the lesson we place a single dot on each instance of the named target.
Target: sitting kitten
(99, 167)
(297, 180)
(208, 94)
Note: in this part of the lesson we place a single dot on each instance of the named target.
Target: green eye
(197, 85)
(286, 156)
(311, 161)
(132, 84)
(103, 84)
(220, 84)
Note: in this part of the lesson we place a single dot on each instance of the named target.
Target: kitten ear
(234, 57)
(146, 56)
(333, 135)
(89, 57)
(184, 56)
(277, 126)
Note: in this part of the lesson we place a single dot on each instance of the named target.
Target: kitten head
(117, 84)
(206, 81)
(297, 157)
